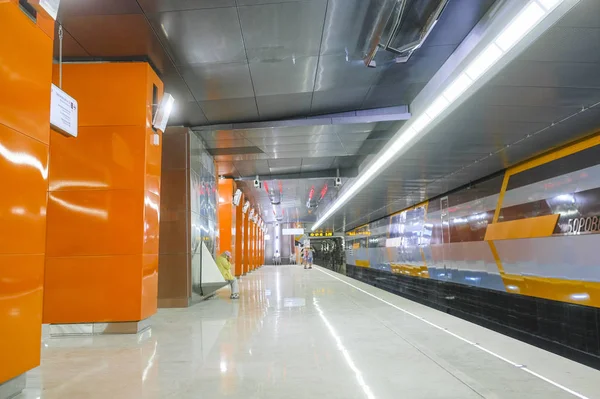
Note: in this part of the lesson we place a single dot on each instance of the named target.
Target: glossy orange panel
(93, 289)
(541, 226)
(21, 285)
(108, 94)
(225, 209)
(25, 74)
(151, 223)
(572, 291)
(149, 285)
(23, 167)
(239, 238)
(246, 243)
(153, 161)
(100, 158)
(95, 222)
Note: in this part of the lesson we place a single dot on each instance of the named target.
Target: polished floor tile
(303, 334)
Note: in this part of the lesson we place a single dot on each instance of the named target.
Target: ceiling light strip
(529, 16)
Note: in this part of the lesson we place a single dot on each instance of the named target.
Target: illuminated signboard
(321, 234)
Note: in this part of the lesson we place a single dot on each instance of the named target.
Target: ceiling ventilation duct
(400, 26)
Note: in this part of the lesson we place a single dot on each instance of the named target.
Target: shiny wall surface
(203, 207)
(227, 215)
(103, 199)
(246, 249)
(174, 264)
(25, 77)
(523, 241)
(239, 238)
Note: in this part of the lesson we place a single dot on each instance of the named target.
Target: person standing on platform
(308, 258)
(224, 264)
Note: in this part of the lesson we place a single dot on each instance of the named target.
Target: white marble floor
(306, 334)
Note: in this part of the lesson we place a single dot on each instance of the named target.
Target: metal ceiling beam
(399, 113)
(320, 174)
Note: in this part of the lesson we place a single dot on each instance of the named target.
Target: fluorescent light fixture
(484, 61)
(519, 26)
(421, 122)
(533, 12)
(437, 107)
(549, 4)
(458, 87)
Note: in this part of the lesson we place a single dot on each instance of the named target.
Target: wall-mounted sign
(321, 234)
(237, 197)
(161, 118)
(51, 7)
(63, 112)
(246, 206)
(292, 232)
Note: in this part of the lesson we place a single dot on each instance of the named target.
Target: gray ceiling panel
(342, 27)
(339, 100)
(249, 168)
(336, 71)
(391, 95)
(584, 15)
(178, 88)
(187, 114)
(201, 36)
(547, 74)
(219, 81)
(566, 44)
(214, 135)
(301, 139)
(311, 153)
(231, 110)
(302, 149)
(284, 76)
(283, 29)
(283, 106)
(154, 6)
(539, 96)
(220, 143)
(457, 21)
(284, 165)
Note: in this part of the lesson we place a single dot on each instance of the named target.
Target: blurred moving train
(531, 231)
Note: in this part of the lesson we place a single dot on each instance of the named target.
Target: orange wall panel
(239, 238)
(25, 77)
(104, 198)
(21, 290)
(153, 162)
(149, 285)
(246, 244)
(94, 222)
(108, 94)
(101, 157)
(151, 223)
(225, 209)
(23, 167)
(25, 74)
(93, 289)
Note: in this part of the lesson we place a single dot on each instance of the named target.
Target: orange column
(103, 200)
(239, 237)
(262, 248)
(226, 218)
(257, 247)
(251, 249)
(246, 246)
(25, 77)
